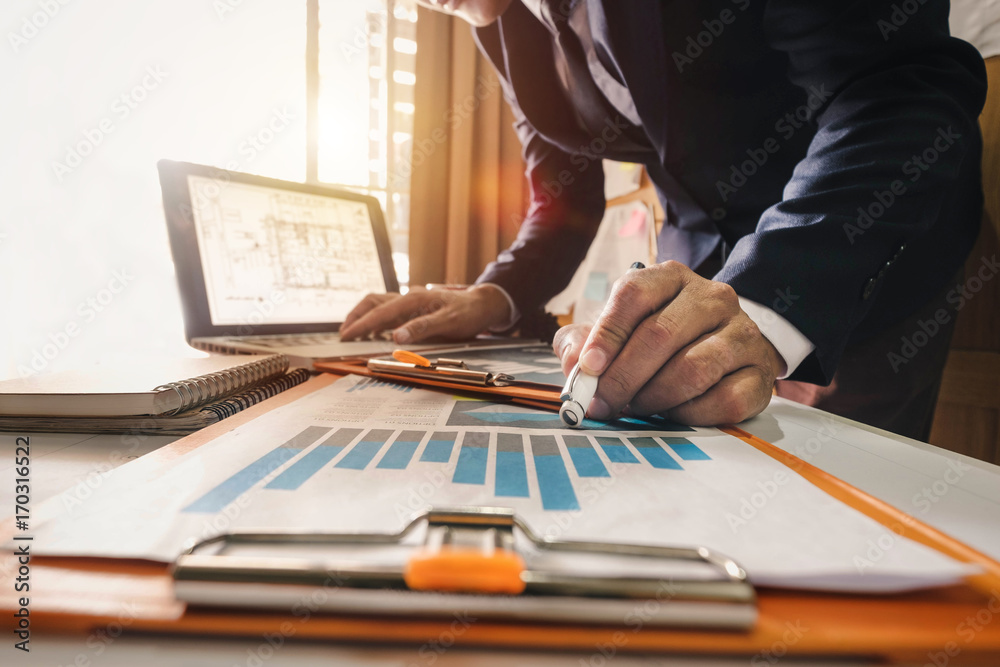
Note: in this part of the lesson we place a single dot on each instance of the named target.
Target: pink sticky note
(636, 223)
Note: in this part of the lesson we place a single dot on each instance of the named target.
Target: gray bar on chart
(584, 457)
(438, 449)
(471, 466)
(306, 437)
(342, 438)
(399, 454)
(509, 442)
(553, 480)
(544, 445)
(364, 451)
(476, 439)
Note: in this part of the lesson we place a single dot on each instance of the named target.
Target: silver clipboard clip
(485, 561)
(408, 364)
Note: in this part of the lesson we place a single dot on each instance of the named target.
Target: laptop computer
(270, 266)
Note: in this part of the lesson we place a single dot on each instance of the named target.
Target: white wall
(224, 68)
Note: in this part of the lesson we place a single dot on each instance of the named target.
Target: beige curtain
(467, 185)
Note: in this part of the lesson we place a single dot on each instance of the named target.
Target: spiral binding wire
(242, 401)
(214, 386)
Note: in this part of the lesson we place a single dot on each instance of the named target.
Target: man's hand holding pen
(670, 342)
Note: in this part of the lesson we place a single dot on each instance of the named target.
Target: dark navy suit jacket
(834, 145)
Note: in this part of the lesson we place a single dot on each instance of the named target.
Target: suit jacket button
(869, 288)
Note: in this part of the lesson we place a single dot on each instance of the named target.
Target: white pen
(580, 388)
(576, 396)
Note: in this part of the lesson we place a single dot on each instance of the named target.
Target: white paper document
(367, 455)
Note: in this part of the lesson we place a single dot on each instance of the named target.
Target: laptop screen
(296, 257)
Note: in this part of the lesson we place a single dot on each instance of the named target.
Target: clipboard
(76, 595)
(483, 561)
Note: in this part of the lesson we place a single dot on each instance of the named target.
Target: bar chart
(506, 464)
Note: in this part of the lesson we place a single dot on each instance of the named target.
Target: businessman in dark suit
(818, 163)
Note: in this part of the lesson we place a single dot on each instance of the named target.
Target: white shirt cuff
(515, 315)
(786, 339)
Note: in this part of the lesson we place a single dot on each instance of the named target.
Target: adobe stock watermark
(121, 109)
(100, 639)
(772, 655)
(430, 651)
(34, 23)
(452, 119)
(251, 146)
(915, 167)
(85, 487)
(966, 631)
(750, 506)
(302, 610)
(87, 311)
(910, 345)
(786, 126)
(224, 8)
(697, 44)
(898, 17)
(362, 39)
(635, 620)
(923, 500)
(545, 193)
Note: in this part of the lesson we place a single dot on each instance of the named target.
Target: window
(367, 52)
(102, 91)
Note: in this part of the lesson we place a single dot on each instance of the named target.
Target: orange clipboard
(105, 597)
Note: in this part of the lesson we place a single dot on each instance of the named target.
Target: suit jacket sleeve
(894, 87)
(566, 207)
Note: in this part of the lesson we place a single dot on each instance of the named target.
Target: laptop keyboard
(290, 340)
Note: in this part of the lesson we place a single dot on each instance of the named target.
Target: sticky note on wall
(635, 225)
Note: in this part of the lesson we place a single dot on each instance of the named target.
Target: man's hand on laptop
(421, 314)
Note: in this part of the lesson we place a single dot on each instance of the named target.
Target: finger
(700, 308)
(444, 320)
(635, 296)
(690, 373)
(738, 396)
(393, 313)
(366, 305)
(567, 344)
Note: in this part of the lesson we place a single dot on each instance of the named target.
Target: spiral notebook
(155, 388)
(180, 423)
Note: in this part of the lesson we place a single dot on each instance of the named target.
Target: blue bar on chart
(617, 451)
(371, 383)
(362, 453)
(553, 480)
(401, 451)
(438, 449)
(655, 454)
(586, 460)
(511, 475)
(471, 466)
(217, 498)
(686, 450)
(300, 471)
